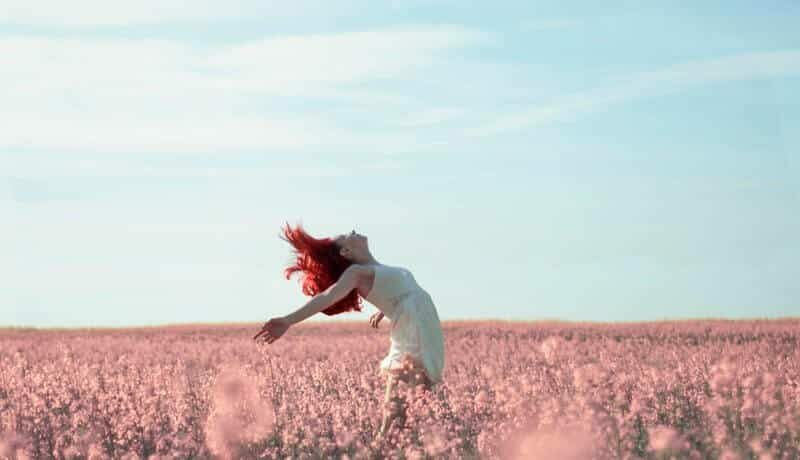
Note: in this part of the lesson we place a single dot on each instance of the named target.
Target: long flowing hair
(320, 265)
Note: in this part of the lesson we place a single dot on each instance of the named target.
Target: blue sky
(525, 160)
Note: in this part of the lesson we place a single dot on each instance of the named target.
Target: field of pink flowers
(689, 389)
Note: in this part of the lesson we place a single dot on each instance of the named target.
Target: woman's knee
(393, 404)
(415, 377)
(410, 373)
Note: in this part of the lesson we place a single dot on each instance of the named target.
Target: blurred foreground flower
(238, 415)
(666, 438)
(571, 443)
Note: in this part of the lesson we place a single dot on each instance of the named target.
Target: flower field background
(684, 389)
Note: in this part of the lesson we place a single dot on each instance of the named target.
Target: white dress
(416, 329)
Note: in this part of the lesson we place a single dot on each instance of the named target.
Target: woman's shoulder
(363, 269)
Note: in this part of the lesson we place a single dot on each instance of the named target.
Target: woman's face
(351, 242)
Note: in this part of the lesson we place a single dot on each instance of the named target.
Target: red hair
(320, 265)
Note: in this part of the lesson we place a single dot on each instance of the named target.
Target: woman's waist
(410, 302)
(396, 299)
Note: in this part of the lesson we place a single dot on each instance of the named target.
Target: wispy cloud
(27, 176)
(86, 13)
(432, 116)
(275, 63)
(116, 95)
(665, 80)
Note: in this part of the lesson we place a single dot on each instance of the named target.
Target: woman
(338, 273)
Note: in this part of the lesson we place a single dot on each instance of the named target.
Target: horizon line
(255, 324)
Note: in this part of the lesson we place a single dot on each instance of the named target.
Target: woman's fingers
(266, 330)
(375, 319)
(264, 334)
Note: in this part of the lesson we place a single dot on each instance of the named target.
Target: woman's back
(416, 329)
(390, 286)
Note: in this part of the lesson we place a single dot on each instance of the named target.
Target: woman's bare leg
(390, 404)
(394, 406)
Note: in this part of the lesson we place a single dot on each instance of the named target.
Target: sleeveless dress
(416, 329)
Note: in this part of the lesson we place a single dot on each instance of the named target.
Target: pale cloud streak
(661, 81)
(432, 116)
(118, 95)
(275, 63)
(27, 172)
(92, 13)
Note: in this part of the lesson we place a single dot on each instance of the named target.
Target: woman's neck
(368, 260)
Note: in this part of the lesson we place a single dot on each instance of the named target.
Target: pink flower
(663, 437)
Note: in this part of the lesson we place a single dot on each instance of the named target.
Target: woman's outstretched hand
(272, 330)
(375, 319)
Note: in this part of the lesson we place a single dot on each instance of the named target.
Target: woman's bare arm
(336, 292)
